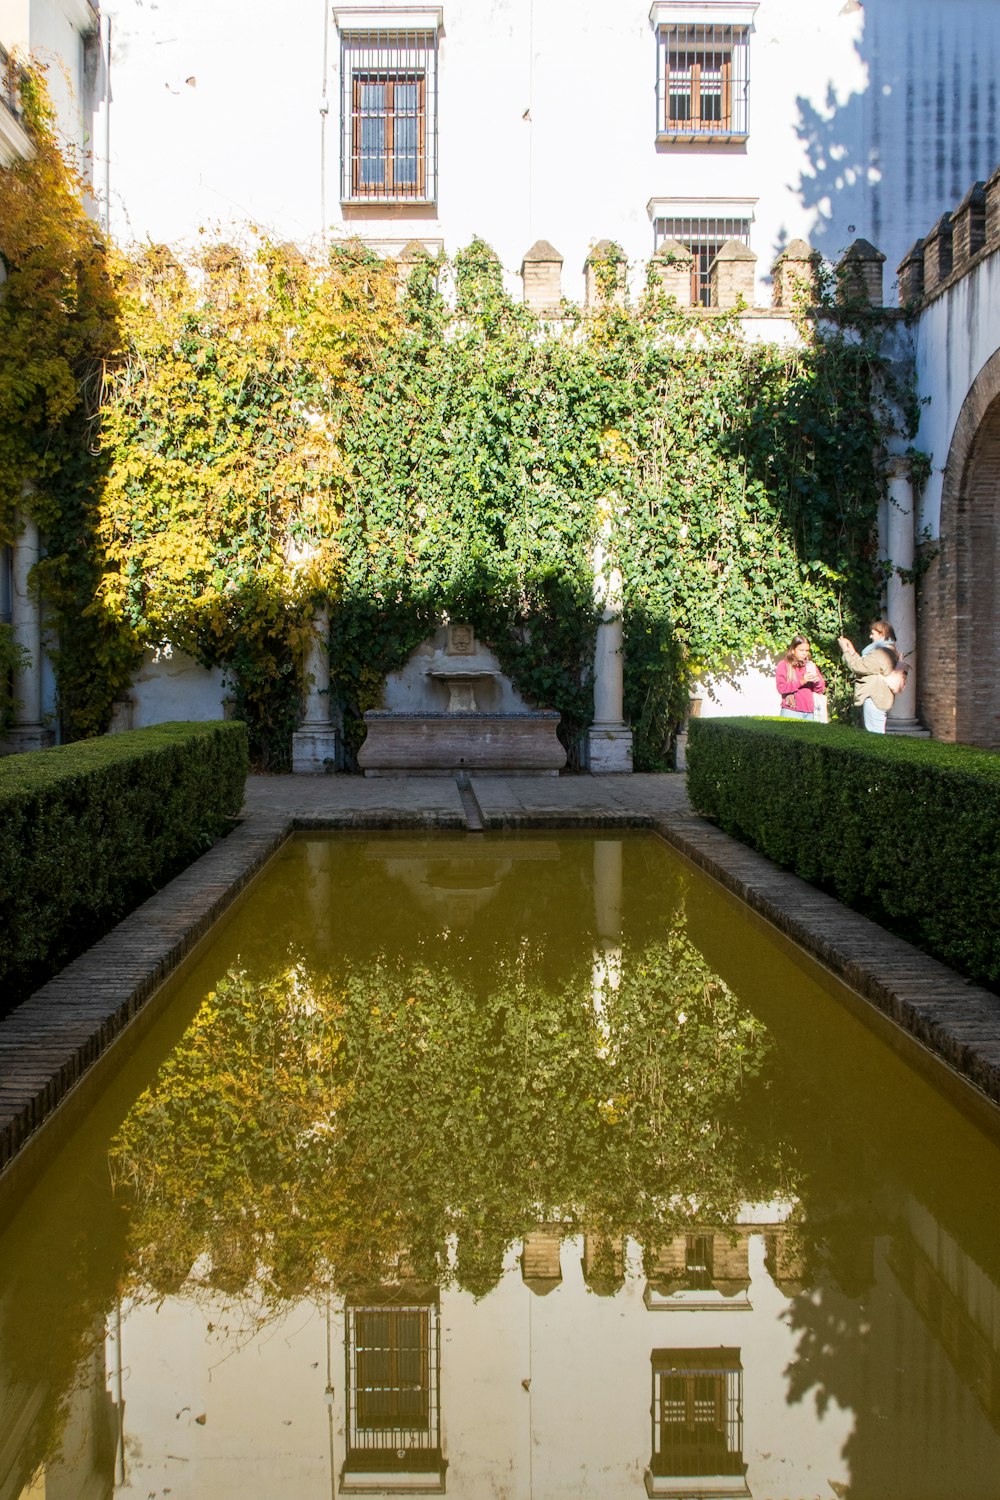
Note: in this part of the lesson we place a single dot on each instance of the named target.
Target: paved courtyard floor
(58, 1046)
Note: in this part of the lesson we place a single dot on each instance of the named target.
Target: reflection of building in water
(393, 1429)
(454, 879)
(703, 1269)
(697, 1411)
(959, 1307)
(541, 1258)
(84, 1467)
(707, 1365)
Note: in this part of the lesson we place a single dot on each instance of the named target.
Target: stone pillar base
(609, 749)
(26, 737)
(314, 750)
(911, 727)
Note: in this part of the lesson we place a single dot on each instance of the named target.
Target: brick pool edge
(99, 1004)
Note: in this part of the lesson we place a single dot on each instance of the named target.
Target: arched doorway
(960, 600)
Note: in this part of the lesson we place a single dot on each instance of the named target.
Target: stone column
(29, 732)
(609, 739)
(314, 743)
(901, 596)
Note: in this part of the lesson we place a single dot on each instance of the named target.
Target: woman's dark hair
(797, 640)
(884, 629)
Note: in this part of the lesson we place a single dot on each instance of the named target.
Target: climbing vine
(333, 1123)
(58, 325)
(223, 426)
(277, 430)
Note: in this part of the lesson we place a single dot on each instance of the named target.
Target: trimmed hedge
(906, 831)
(88, 831)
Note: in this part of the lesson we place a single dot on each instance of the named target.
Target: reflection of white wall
(170, 685)
(261, 1398)
(579, 1431)
(865, 120)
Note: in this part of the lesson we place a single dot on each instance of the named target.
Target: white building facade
(699, 120)
(63, 37)
(546, 129)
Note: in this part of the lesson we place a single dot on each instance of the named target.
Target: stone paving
(98, 1004)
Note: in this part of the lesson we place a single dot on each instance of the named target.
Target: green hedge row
(88, 831)
(906, 831)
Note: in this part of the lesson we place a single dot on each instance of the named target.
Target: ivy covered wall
(274, 430)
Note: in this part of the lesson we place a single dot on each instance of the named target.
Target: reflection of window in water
(698, 1261)
(697, 1412)
(393, 1389)
(706, 1270)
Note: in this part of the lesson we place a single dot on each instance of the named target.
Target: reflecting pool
(528, 1167)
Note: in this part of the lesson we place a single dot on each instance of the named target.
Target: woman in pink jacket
(799, 681)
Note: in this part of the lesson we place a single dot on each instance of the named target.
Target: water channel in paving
(505, 1166)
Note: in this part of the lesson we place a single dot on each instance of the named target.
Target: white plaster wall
(51, 33)
(748, 689)
(956, 334)
(170, 685)
(864, 120)
(56, 41)
(15, 24)
(411, 690)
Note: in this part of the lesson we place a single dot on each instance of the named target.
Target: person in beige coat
(878, 677)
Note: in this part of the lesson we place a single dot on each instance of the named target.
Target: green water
(522, 1166)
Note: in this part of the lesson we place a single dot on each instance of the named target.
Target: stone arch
(960, 599)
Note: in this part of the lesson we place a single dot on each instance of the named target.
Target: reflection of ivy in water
(311, 1127)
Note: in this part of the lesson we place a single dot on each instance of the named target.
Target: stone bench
(440, 744)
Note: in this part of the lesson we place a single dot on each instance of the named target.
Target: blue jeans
(793, 713)
(873, 718)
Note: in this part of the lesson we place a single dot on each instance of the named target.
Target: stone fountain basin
(460, 682)
(442, 743)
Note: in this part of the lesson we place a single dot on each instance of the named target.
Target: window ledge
(389, 18)
(702, 12)
(15, 142)
(702, 137)
(387, 200)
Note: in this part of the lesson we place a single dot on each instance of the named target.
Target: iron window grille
(697, 1412)
(703, 83)
(704, 238)
(388, 116)
(393, 1388)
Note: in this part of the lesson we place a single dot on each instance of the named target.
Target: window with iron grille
(703, 82)
(393, 1388)
(388, 116)
(704, 237)
(697, 1412)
